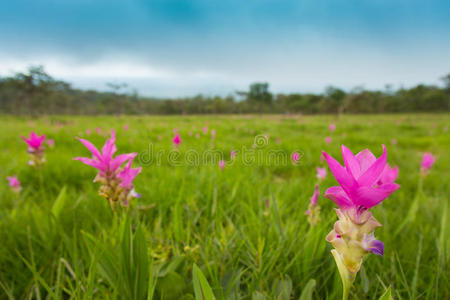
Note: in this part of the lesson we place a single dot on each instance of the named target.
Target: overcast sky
(181, 48)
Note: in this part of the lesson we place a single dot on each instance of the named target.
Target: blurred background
(203, 56)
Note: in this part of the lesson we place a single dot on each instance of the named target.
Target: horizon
(170, 49)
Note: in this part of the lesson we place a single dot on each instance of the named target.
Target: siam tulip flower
(177, 140)
(295, 157)
(14, 183)
(88, 132)
(50, 143)
(213, 134)
(365, 181)
(116, 180)
(233, 154)
(125, 127)
(35, 149)
(427, 162)
(321, 173)
(197, 135)
(205, 130)
(313, 211)
(332, 127)
(328, 140)
(221, 164)
(98, 130)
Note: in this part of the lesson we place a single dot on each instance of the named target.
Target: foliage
(37, 93)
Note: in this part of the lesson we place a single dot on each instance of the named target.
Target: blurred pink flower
(427, 162)
(328, 140)
(14, 183)
(50, 143)
(197, 135)
(125, 127)
(321, 173)
(34, 142)
(221, 164)
(233, 154)
(278, 140)
(358, 180)
(88, 132)
(205, 130)
(295, 157)
(98, 130)
(213, 134)
(177, 140)
(315, 196)
(394, 141)
(332, 127)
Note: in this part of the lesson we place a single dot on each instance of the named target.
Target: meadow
(241, 229)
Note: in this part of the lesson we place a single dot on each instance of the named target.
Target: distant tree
(259, 93)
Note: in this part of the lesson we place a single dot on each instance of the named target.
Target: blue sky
(176, 48)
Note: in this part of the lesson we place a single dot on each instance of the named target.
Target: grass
(244, 226)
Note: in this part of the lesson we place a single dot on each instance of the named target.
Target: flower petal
(347, 182)
(369, 196)
(351, 163)
(91, 148)
(371, 175)
(338, 196)
(366, 159)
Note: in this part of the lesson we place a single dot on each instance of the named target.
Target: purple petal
(373, 245)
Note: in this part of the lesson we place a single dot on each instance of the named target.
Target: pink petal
(91, 148)
(338, 196)
(347, 182)
(351, 163)
(369, 177)
(366, 159)
(368, 196)
(91, 162)
(120, 159)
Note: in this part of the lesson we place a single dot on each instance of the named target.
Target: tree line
(37, 93)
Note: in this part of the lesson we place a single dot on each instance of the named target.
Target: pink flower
(278, 140)
(34, 142)
(197, 135)
(125, 127)
(213, 134)
(233, 154)
(221, 164)
(205, 130)
(104, 161)
(321, 173)
(394, 141)
(88, 131)
(13, 181)
(332, 127)
(50, 143)
(360, 178)
(295, 157)
(328, 140)
(427, 162)
(315, 196)
(177, 140)
(98, 130)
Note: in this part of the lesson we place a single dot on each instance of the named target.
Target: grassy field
(244, 226)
